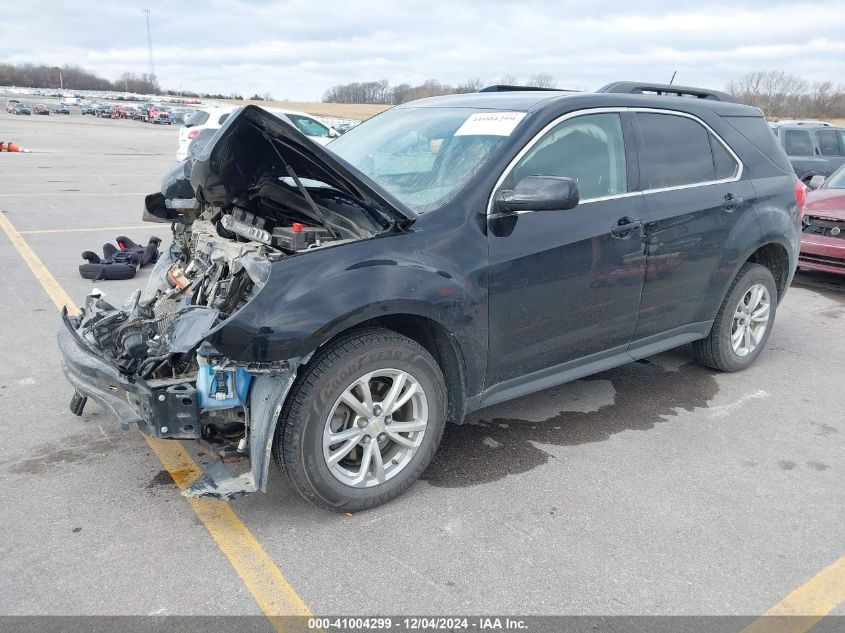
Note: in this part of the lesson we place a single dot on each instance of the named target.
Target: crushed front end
(257, 194)
(147, 362)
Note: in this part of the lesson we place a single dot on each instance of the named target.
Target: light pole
(150, 45)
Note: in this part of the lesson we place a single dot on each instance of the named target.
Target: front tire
(362, 422)
(743, 323)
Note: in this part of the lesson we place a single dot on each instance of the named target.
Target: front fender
(308, 299)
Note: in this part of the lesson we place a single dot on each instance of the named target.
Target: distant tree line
(783, 95)
(73, 77)
(383, 92)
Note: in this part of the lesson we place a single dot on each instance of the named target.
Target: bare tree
(542, 80)
(507, 80)
(470, 85)
(775, 92)
(824, 98)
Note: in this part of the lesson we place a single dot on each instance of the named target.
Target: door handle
(624, 227)
(731, 202)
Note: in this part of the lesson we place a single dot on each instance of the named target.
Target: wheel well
(437, 341)
(776, 259)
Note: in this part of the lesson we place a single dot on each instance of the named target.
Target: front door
(565, 285)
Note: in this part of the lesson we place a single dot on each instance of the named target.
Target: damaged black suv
(335, 307)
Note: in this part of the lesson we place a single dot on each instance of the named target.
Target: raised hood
(253, 144)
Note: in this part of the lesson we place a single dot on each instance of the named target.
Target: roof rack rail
(815, 122)
(507, 88)
(639, 88)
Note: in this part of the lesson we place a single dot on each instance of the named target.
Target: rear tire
(743, 323)
(365, 466)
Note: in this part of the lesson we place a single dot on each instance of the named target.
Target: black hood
(253, 144)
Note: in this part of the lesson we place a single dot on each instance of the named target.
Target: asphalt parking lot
(658, 488)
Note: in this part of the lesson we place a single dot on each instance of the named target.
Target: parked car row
(14, 106)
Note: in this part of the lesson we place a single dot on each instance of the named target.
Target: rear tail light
(801, 197)
(193, 133)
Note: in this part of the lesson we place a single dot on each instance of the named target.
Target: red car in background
(120, 112)
(823, 230)
(160, 115)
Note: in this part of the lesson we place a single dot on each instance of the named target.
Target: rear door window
(797, 143)
(223, 118)
(677, 151)
(725, 164)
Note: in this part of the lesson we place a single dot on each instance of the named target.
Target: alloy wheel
(375, 428)
(750, 320)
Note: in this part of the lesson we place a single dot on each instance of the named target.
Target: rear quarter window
(759, 134)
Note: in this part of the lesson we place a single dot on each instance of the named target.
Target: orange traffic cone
(12, 147)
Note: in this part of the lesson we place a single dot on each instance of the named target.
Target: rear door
(694, 196)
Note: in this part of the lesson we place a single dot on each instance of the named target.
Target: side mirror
(816, 181)
(539, 193)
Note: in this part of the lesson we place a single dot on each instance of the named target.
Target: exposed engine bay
(256, 194)
(214, 266)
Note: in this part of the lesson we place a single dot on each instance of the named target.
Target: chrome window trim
(576, 113)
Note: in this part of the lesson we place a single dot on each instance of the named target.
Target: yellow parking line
(274, 595)
(803, 608)
(47, 281)
(85, 230)
(259, 573)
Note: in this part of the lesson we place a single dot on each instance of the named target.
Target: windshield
(836, 180)
(424, 156)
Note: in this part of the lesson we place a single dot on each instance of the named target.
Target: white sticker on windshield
(490, 124)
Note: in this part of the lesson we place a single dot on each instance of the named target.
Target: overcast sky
(299, 48)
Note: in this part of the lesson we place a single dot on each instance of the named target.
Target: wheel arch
(775, 257)
(435, 338)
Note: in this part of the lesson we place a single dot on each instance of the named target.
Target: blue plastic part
(207, 387)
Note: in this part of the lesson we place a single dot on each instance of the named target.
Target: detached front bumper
(160, 408)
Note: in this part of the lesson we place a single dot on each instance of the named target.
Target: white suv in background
(213, 118)
(205, 118)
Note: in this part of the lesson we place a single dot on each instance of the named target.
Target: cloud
(297, 49)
